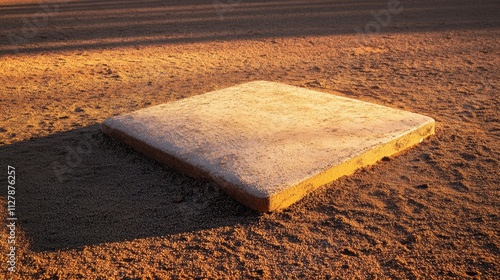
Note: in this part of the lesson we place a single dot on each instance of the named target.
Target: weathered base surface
(267, 144)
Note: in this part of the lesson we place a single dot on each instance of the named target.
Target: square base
(267, 144)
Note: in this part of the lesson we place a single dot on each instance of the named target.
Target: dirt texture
(89, 207)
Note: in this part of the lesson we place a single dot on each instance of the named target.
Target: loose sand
(91, 208)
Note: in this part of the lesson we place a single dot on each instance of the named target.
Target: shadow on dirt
(72, 192)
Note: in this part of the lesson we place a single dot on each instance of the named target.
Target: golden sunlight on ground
(89, 207)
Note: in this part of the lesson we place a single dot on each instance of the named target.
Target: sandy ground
(89, 207)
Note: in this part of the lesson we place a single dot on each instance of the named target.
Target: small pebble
(422, 186)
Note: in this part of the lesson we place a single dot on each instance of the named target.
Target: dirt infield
(89, 207)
